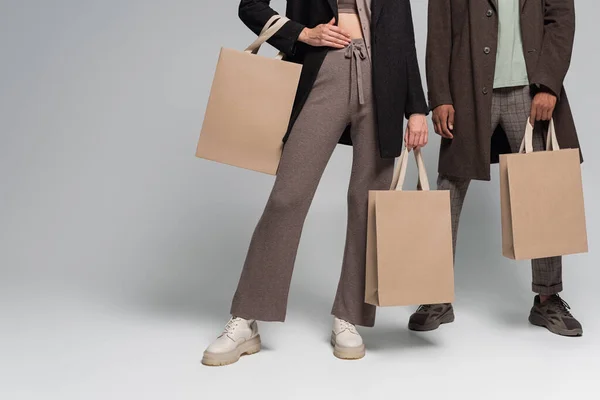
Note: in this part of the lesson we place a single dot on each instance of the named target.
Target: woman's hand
(416, 132)
(326, 35)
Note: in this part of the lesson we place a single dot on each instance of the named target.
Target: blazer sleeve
(439, 52)
(557, 45)
(415, 96)
(256, 13)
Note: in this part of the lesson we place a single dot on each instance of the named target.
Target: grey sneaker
(430, 316)
(554, 315)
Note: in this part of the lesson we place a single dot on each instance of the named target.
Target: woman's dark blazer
(397, 86)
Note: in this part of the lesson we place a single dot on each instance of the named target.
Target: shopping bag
(249, 107)
(409, 243)
(541, 195)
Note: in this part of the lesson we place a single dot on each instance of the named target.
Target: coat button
(489, 13)
(487, 50)
(484, 90)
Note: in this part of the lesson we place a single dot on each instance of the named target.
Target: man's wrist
(545, 89)
(541, 88)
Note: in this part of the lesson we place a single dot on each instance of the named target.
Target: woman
(360, 79)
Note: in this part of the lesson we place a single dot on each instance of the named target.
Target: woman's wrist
(304, 35)
(325, 35)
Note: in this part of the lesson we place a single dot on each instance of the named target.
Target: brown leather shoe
(554, 315)
(429, 317)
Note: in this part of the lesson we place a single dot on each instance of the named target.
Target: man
(495, 64)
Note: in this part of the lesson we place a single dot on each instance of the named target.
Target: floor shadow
(312, 306)
(514, 318)
(388, 337)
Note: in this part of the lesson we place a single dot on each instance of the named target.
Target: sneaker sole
(252, 346)
(540, 321)
(347, 353)
(445, 319)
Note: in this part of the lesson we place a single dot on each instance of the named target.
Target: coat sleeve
(557, 45)
(415, 96)
(256, 13)
(439, 52)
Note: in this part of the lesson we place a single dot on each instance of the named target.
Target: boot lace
(345, 325)
(425, 308)
(562, 306)
(231, 325)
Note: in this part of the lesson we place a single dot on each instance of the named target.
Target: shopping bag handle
(402, 165)
(551, 139)
(273, 25)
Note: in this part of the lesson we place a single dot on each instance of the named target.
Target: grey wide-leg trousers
(342, 96)
(510, 109)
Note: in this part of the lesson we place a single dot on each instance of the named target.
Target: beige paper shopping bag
(249, 107)
(542, 204)
(409, 243)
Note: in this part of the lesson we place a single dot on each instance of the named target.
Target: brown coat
(461, 59)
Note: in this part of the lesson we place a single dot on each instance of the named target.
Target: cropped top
(347, 7)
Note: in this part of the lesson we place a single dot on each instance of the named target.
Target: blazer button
(487, 50)
(489, 13)
(484, 90)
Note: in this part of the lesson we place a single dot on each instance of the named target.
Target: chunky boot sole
(249, 347)
(347, 353)
(444, 319)
(538, 320)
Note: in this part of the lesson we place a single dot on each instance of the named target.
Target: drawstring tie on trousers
(356, 52)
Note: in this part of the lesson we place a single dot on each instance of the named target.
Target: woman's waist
(350, 22)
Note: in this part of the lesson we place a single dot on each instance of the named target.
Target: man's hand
(542, 107)
(416, 132)
(326, 35)
(443, 120)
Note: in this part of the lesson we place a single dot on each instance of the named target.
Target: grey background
(109, 222)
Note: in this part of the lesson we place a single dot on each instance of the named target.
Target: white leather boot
(346, 341)
(239, 337)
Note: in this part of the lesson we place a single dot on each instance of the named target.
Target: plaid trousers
(510, 109)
